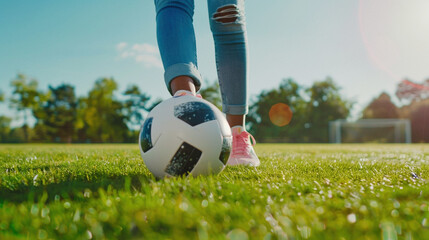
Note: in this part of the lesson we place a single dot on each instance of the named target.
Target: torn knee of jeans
(227, 14)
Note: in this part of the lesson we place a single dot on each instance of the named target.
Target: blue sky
(366, 46)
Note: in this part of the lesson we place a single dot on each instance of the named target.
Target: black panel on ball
(184, 160)
(226, 150)
(145, 135)
(194, 113)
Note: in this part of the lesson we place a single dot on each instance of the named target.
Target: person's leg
(176, 42)
(227, 22)
(228, 26)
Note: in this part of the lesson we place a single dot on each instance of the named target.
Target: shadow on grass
(75, 189)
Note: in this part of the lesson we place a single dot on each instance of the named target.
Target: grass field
(298, 192)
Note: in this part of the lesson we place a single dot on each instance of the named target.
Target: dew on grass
(34, 180)
(425, 223)
(394, 213)
(363, 209)
(320, 210)
(204, 203)
(103, 216)
(87, 193)
(305, 231)
(237, 234)
(373, 204)
(76, 216)
(388, 230)
(211, 197)
(203, 223)
(92, 210)
(88, 234)
(34, 209)
(67, 205)
(183, 206)
(351, 218)
(42, 234)
(396, 204)
(44, 213)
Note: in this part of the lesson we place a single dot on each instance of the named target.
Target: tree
(103, 116)
(420, 122)
(312, 110)
(418, 108)
(326, 104)
(135, 105)
(289, 93)
(81, 126)
(58, 113)
(25, 98)
(381, 107)
(412, 91)
(1, 96)
(4, 128)
(211, 93)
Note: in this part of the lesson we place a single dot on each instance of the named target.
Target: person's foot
(242, 149)
(186, 93)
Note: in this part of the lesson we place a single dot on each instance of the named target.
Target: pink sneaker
(186, 93)
(242, 149)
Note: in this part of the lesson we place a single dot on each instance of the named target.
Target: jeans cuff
(235, 109)
(182, 69)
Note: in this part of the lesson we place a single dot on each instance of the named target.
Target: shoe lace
(241, 143)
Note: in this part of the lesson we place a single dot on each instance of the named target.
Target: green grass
(298, 192)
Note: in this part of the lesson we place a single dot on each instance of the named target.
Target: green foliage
(211, 93)
(58, 114)
(288, 92)
(4, 128)
(298, 192)
(325, 105)
(102, 113)
(25, 93)
(312, 109)
(25, 97)
(135, 105)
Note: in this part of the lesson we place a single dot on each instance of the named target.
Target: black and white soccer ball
(185, 135)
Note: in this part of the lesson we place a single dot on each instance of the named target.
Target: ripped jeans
(176, 42)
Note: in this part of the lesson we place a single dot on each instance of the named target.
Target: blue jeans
(176, 42)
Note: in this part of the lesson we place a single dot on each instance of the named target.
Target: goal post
(370, 130)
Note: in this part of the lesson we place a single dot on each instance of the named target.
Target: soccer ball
(185, 135)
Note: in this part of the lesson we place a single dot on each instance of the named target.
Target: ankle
(182, 83)
(235, 120)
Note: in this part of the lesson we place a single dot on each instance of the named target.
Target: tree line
(103, 117)
(61, 116)
(415, 107)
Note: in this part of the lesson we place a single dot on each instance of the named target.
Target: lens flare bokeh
(280, 114)
(395, 36)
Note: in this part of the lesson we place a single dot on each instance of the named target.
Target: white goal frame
(335, 128)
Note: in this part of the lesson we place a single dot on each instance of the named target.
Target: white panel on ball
(185, 135)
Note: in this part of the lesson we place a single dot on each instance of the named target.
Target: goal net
(370, 130)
